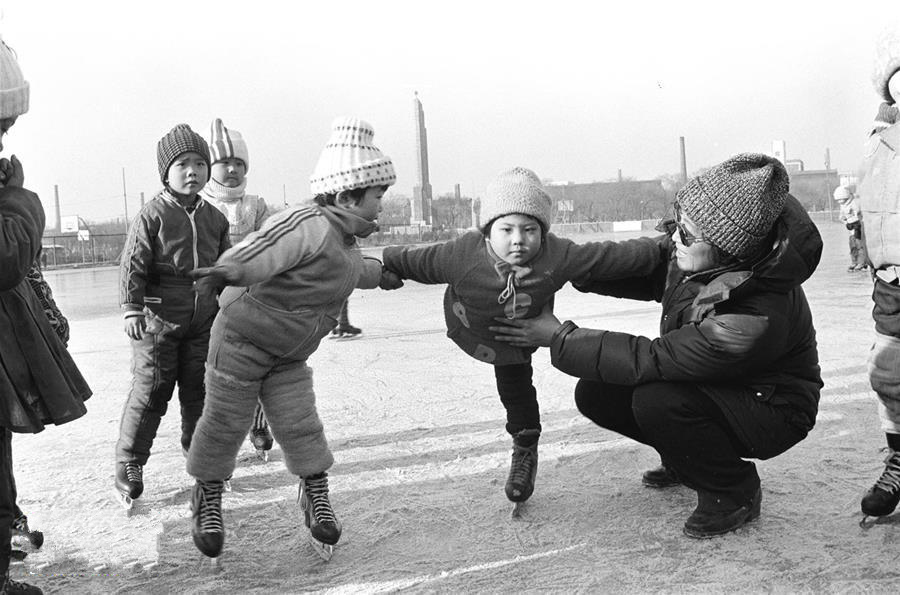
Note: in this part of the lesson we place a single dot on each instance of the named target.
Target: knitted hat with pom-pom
(736, 202)
(887, 61)
(14, 89)
(517, 190)
(181, 139)
(227, 143)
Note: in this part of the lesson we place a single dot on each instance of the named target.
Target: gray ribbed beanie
(736, 202)
(517, 190)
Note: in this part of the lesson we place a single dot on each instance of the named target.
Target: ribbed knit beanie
(227, 143)
(736, 202)
(841, 193)
(887, 60)
(351, 160)
(14, 89)
(181, 139)
(517, 190)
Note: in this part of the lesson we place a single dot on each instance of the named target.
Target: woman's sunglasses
(686, 237)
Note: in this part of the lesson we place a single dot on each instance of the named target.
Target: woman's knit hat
(351, 160)
(517, 190)
(887, 60)
(13, 86)
(736, 202)
(227, 143)
(181, 139)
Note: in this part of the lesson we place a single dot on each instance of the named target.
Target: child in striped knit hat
(286, 283)
(510, 268)
(226, 190)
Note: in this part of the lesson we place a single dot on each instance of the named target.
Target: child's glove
(390, 280)
(11, 172)
(209, 281)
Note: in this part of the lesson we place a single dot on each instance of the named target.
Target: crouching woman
(734, 373)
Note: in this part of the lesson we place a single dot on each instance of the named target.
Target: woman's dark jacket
(739, 330)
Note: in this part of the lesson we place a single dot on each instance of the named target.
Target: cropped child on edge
(167, 321)
(286, 285)
(226, 190)
(510, 268)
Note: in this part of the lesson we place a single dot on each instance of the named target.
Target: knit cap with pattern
(181, 139)
(14, 89)
(351, 160)
(227, 143)
(517, 190)
(736, 202)
(887, 60)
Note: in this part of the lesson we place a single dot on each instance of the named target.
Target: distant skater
(167, 321)
(852, 220)
(226, 190)
(286, 284)
(511, 268)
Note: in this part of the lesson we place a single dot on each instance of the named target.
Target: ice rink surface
(421, 458)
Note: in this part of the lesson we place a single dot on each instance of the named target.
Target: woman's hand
(528, 332)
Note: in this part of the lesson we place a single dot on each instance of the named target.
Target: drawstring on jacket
(510, 291)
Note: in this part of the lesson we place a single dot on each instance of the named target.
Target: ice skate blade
(516, 511)
(124, 500)
(867, 522)
(323, 550)
(212, 565)
(343, 337)
(227, 483)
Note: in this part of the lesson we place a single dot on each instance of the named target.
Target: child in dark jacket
(287, 282)
(167, 321)
(511, 268)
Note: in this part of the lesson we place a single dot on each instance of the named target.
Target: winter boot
(11, 587)
(660, 477)
(715, 516)
(324, 528)
(882, 498)
(20, 528)
(208, 530)
(129, 482)
(523, 468)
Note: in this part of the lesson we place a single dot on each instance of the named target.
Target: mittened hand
(390, 280)
(11, 173)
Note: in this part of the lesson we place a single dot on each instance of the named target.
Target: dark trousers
(519, 397)
(7, 499)
(159, 361)
(690, 432)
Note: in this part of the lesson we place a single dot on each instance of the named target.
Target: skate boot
(324, 528)
(208, 529)
(129, 483)
(346, 330)
(261, 439)
(660, 477)
(11, 587)
(20, 528)
(523, 468)
(882, 498)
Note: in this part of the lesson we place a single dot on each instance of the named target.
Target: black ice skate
(129, 483)
(523, 468)
(882, 498)
(345, 331)
(262, 442)
(208, 529)
(20, 529)
(7, 585)
(324, 528)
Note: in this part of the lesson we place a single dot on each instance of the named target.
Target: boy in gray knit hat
(510, 269)
(167, 320)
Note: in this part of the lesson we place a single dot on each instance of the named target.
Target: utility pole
(125, 199)
(683, 162)
(284, 194)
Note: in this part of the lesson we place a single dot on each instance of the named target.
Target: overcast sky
(572, 92)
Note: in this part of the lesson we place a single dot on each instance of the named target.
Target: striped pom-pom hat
(227, 143)
(351, 160)
(14, 89)
(736, 202)
(181, 139)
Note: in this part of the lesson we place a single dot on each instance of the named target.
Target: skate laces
(890, 479)
(523, 461)
(211, 506)
(317, 493)
(134, 473)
